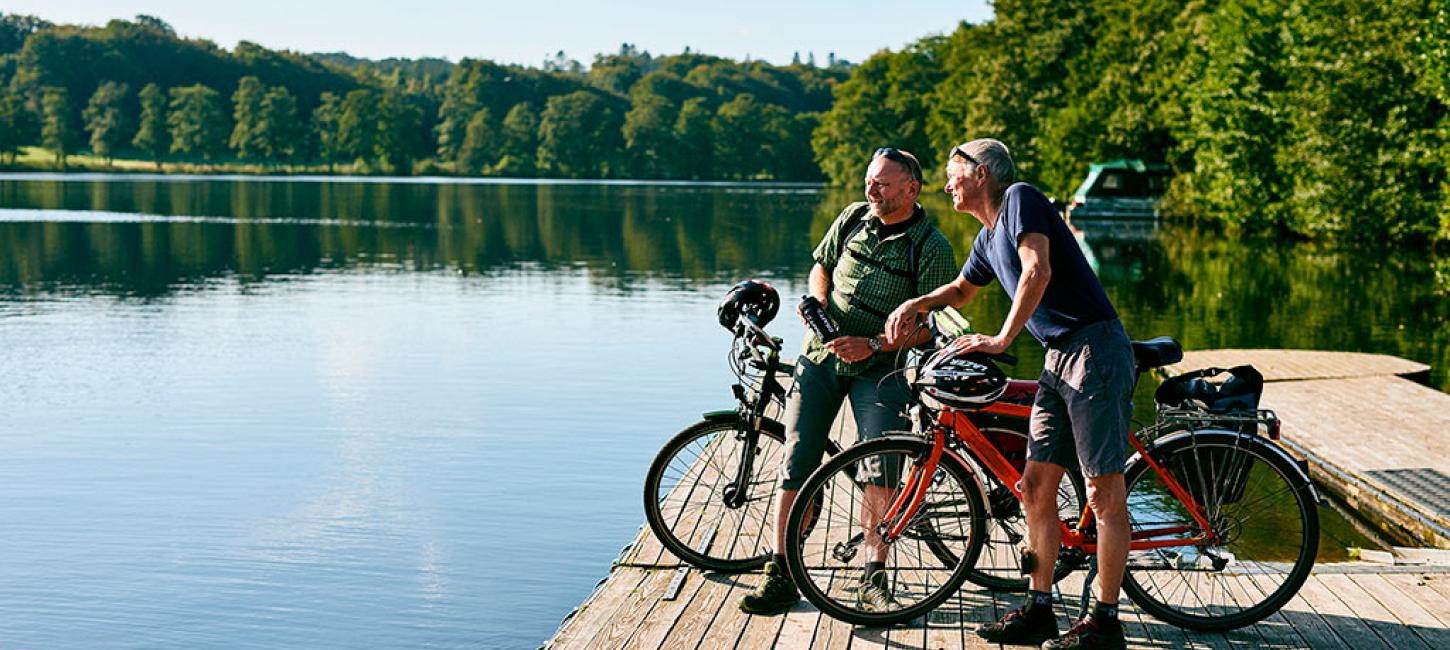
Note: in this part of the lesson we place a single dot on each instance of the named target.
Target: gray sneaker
(875, 595)
(774, 596)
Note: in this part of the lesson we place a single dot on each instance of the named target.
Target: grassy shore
(40, 160)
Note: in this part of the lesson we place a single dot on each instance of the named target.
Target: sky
(527, 31)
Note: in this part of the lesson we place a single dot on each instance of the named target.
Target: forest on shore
(1323, 120)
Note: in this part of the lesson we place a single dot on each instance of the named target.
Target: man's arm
(902, 322)
(820, 283)
(1036, 272)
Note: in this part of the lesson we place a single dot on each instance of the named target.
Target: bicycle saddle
(1157, 352)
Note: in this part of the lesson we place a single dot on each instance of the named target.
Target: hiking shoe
(1022, 628)
(1088, 635)
(775, 595)
(874, 597)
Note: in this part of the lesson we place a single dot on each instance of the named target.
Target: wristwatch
(874, 343)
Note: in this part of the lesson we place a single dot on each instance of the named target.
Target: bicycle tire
(682, 535)
(951, 516)
(1261, 504)
(997, 567)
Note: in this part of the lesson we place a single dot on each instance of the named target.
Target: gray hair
(993, 155)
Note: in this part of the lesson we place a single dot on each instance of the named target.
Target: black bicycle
(710, 492)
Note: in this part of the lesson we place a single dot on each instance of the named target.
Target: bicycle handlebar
(746, 326)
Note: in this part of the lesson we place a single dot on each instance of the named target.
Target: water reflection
(149, 237)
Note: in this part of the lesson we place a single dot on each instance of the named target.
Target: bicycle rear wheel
(998, 567)
(1260, 507)
(694, 504)
(852, 491)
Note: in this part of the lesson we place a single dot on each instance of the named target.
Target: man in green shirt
(876, 255)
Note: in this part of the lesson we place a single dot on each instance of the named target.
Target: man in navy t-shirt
(1080, 415)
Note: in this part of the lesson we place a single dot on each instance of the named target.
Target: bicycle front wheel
(844, 502)
(1259, 508)
(698, 505)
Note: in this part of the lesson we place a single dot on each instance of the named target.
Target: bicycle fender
(768, 424)
(1222, 435)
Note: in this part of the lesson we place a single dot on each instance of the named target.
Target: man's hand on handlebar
(980, 343)
(902, 322)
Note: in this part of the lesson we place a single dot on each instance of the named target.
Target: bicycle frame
(1079, 536)
(752, 407)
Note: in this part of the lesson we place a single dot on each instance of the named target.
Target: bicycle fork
(899, 515)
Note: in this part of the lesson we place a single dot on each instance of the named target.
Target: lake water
(361, 413)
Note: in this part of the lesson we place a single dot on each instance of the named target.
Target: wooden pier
(1376, 439)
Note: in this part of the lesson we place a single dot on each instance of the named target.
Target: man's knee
(1039, 485)
(1107, 497)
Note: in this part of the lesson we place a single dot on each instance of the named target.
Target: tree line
(1319, 119)
(1324, 119)
(161, 97)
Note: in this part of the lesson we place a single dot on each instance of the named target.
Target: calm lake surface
(360, 413)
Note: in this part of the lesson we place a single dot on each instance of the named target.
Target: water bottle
(817, 320)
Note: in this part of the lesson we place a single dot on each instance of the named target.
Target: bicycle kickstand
(1087, 586)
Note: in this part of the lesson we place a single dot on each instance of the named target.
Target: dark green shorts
(878, 403)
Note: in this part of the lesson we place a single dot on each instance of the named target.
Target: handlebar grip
(1005, 357)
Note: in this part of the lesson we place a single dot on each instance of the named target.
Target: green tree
(579, 136)
(357, 125)
(480, 145)
(742, 129)
(279, 130)
(520, 141)
(18, 125)
(151, 135)
(55, 134)
(105, 119)
(398, 140)
(649, 136)
(326, 124)
(246, 117)
(695, 140)
(882, 104)
(196, 122)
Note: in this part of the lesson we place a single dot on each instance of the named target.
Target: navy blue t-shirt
(1073, 298)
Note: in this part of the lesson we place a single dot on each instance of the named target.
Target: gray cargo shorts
(877, 402)
(1084, 401)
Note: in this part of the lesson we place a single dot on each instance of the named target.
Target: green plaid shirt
(873, 278)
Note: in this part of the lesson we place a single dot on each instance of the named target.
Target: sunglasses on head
(957, 151)
(898, 156)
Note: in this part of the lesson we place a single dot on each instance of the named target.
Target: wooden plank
(694, 623)
(799, 627)
(1439, 598)
(1360, 603)
(626, 620)
(761, 631)
(1347, 625)
(729, 622)
(1282, 365)
(1312, 628)
(596, 612)
(653, 630)
(1410, 611)
(829, 633)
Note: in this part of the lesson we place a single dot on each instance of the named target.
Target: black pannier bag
(1215, 475)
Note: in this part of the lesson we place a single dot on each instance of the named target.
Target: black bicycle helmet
(964, 381)
(753, 298)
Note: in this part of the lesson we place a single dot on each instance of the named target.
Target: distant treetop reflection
(153, 237)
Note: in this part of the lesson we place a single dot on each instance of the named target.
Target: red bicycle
(1224, 523)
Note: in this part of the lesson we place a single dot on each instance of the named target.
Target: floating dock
(1374, 437)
